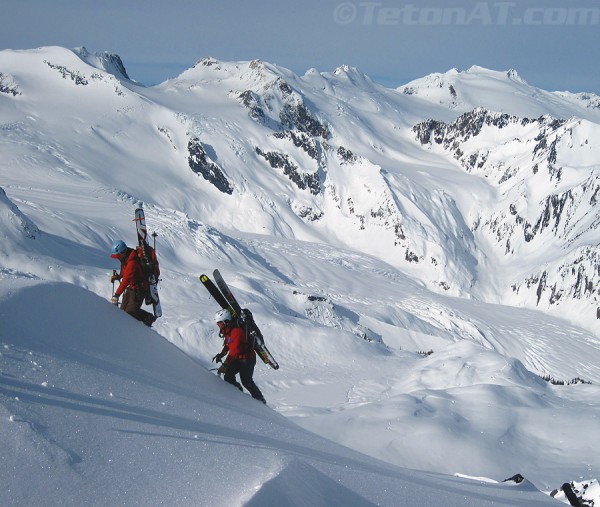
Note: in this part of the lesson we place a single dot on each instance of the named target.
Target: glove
(218, 358)
(115, 277)
(114, 300)
(222, 369)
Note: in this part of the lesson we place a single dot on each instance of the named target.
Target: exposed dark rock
(576, 278)
(468, 125)
(555, 382)
(309, 214)
(116, 62)
(430, 131)
(286, 89)
(252, 101)
(346, 155)
(399, 232)
(200, 163)
(553, 208)
(111, 62)
(300, 140)
(541, 286)
(411, 256)
(207, 61)
(297, 116)
(310, 181)
(74, 75)
(293, 114)
(6, 87)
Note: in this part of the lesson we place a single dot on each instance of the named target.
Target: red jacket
(132, 275)
(237, 344)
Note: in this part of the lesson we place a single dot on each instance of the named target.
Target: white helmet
(223, 315)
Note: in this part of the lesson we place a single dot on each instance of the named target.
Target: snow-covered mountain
(365, 227)
(339, 159)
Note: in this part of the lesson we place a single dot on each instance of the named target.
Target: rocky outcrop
(254, 104)
(278, 106)
(304, 181)
(77, 77)
(301, 140)
(7, 86)
(201, 164)
(346, 156)
(297, 115)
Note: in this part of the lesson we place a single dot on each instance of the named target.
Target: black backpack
(246, 322)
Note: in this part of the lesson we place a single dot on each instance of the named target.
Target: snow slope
(112, 414)
(334, 158)
(503, 92)
(372, 265)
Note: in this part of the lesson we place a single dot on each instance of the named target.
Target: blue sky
(552, 44)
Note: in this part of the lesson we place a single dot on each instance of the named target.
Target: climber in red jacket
(241, 357)
(134, 284)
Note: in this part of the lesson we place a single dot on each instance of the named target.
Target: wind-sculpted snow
(101, 409)
(14, 225)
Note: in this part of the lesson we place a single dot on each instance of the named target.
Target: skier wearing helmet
(133, 286)
(241, 357)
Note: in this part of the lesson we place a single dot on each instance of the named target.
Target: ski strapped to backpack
(226, 300)
(148, 259)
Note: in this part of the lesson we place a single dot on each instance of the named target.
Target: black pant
(132, 304)
(245, 367)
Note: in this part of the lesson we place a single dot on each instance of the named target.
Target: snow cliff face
(15, 226)
(470, 201)
(108, 62)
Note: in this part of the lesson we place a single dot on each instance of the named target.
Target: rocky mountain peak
(108, 62)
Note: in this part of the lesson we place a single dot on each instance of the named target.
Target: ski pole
(154, 240)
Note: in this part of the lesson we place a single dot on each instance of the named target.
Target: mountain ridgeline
(474, 183)
(565, 211)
